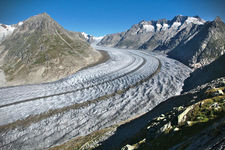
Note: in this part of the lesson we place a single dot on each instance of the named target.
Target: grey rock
(183, 116)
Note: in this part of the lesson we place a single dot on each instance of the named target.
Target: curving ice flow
(130, 83)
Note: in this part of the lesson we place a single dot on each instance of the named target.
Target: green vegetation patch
(202, 115)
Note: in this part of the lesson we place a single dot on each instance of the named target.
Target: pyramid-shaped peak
(41, 22)
(42, 16)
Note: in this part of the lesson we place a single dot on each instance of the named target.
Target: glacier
(129, 84)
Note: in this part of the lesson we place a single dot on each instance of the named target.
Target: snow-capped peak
(6, 30)
(165, 26)
(85, 35)
(91, 38)
(159, 26)
(194, 20)
(20, 23)
(176, 24)
(148, 27)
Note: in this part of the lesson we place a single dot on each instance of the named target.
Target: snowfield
(130, 83)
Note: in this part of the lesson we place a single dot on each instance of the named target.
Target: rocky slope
(198, 123)
(40, 50)
(190, 40)
(205, 74)
(192, 120)
(207, 45)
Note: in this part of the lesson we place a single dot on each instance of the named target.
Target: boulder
(166, 127)
(183, 116)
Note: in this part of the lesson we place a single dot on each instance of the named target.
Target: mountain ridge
(191, 40)
(206, 46)
(145, 30)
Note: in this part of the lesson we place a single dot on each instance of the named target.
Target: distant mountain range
(151, 34)
(40, 50)
(191, 40)
(92, 39)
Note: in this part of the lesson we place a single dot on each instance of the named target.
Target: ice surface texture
(128, 71)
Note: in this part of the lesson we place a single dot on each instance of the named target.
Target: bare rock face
(40, 50)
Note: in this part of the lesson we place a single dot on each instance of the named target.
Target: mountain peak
(179, 18)
(42, 15)
(41, 22)
(196, 16)
(142, 21)
(218, 19)
(161, 21)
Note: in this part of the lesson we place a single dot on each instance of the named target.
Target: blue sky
(100, 17)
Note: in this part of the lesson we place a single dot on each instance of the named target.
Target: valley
(130, 83)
